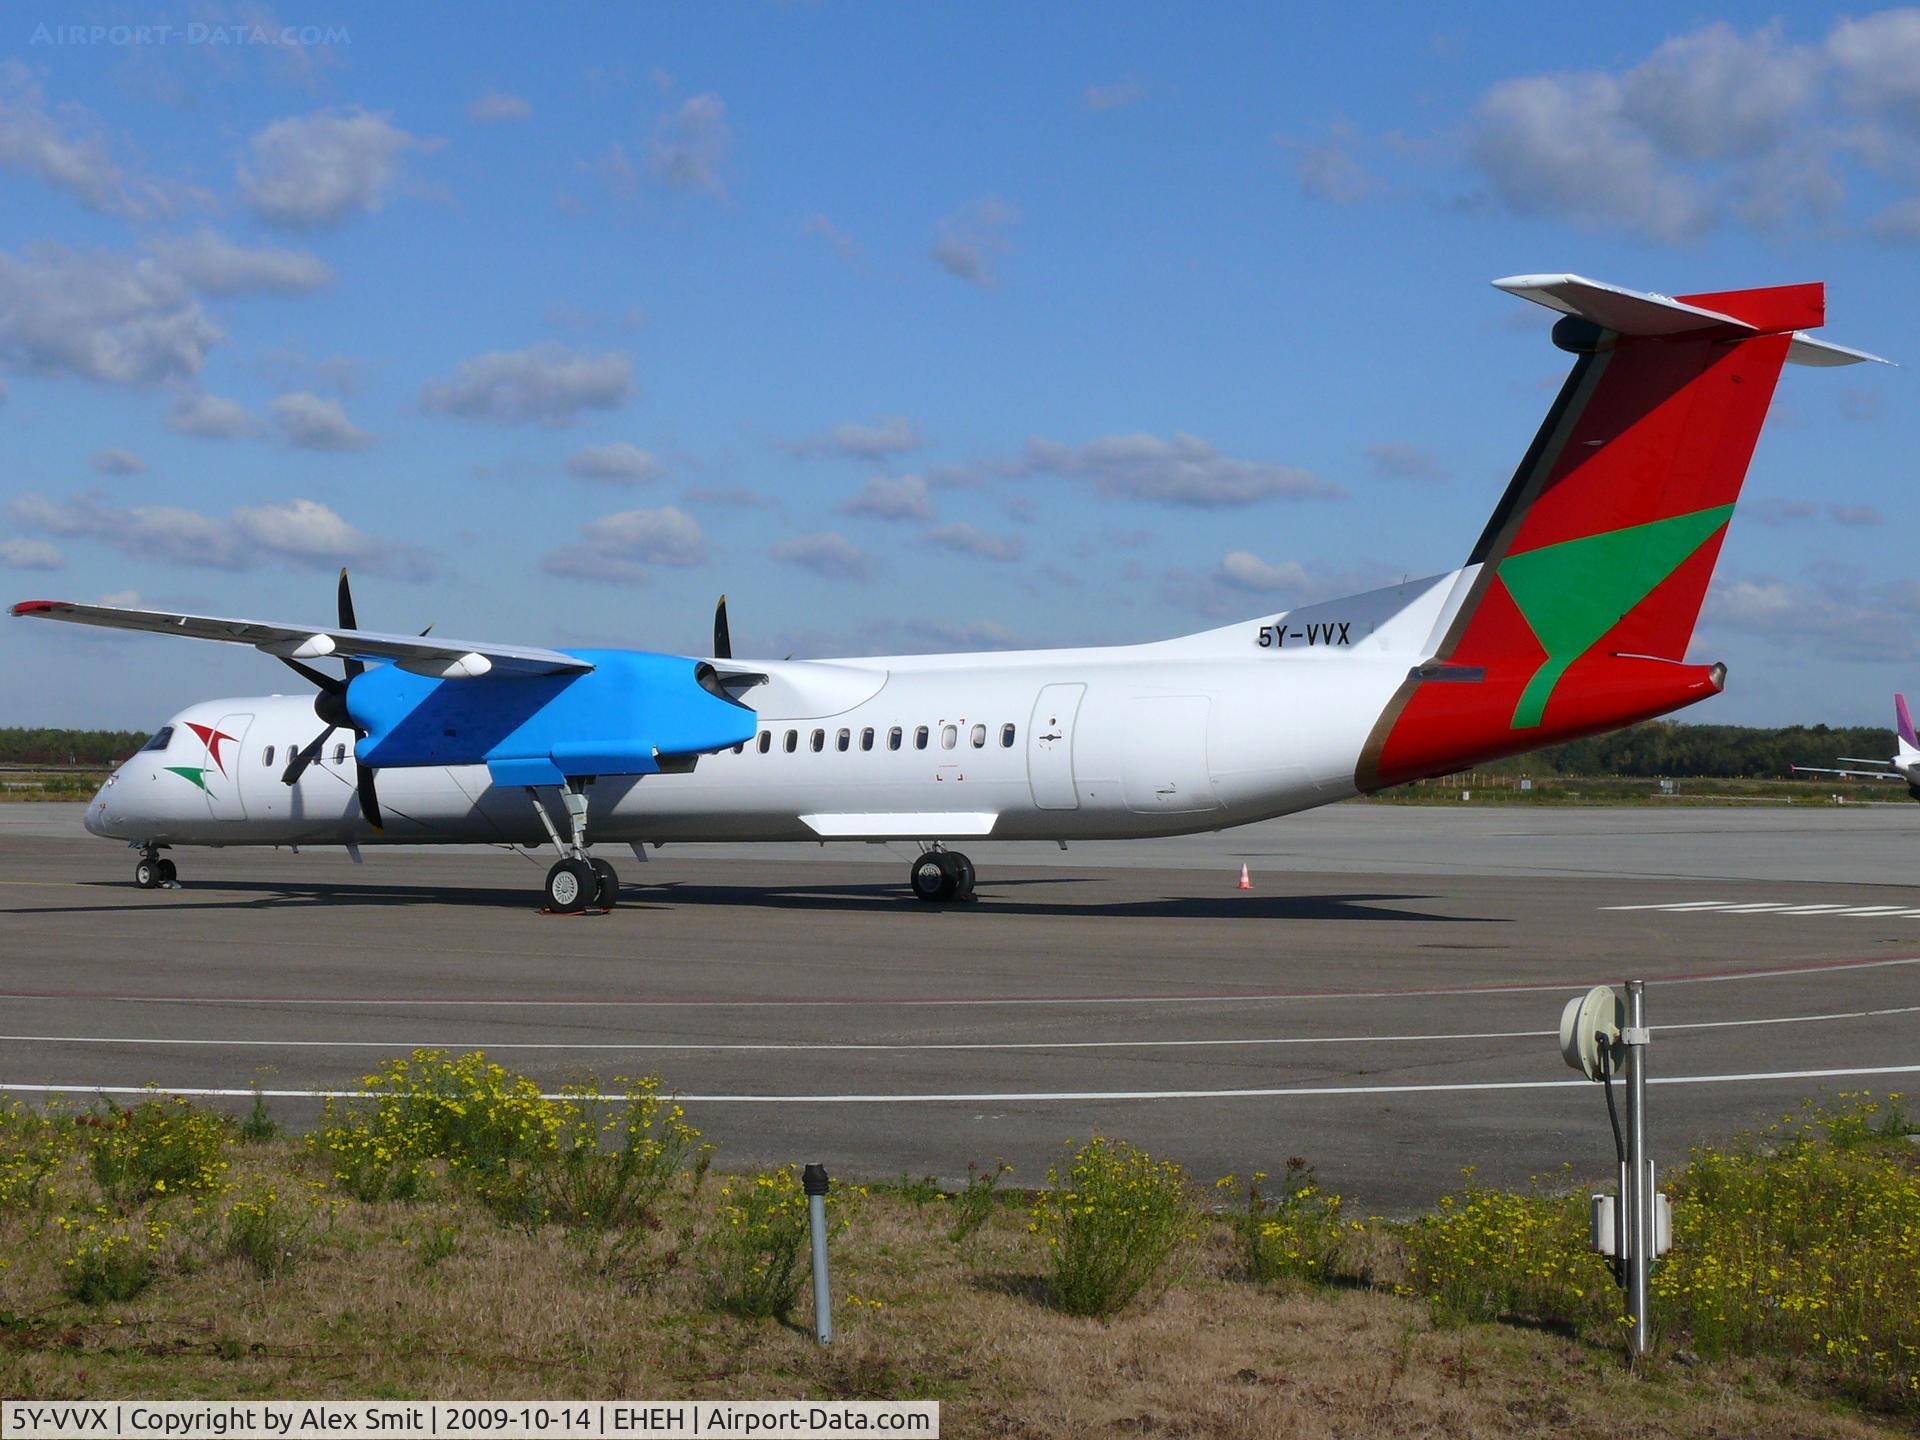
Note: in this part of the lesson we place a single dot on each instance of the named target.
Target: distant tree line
(1668, 748)
(68, 747)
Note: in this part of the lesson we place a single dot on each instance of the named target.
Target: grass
(1268, 1310)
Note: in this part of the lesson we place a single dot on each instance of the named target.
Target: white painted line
(1673, 905)
(1876, 910)
(701, 1046)
(1756, 907)
(1811, 909)
(1034, 1096)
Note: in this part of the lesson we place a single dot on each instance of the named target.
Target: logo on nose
(198, 773)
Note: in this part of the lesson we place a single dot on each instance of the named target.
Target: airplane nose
(97, 820)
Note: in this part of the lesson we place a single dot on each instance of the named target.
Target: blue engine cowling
(623, 717)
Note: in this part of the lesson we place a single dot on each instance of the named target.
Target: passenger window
(1006, 737)
(340, 753)
(266, 756)
(893, 738)
(866, 738)
(843, 740)
(979, 737)
(949, 736)
(162, 738)
(920, 737)
(793, 741)
(740, 748)
(766, 741)
(819, 741)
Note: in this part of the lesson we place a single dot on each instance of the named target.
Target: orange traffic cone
(1246, 880)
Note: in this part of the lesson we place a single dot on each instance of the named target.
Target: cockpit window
(162, 738)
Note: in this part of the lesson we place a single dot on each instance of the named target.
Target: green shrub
(1115, 1221)
(755, 1257)
(268, 1231)
(473, 1116)
(154, 1149)
(1492, 1253)
(1295, 1233)
(259, 1126)
(973, 1202)
(32, 1145)
(109, 1257)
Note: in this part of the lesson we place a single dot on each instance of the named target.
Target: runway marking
(227, 1041)
(1550, 987)
(1034, 1096)
(1774, 907)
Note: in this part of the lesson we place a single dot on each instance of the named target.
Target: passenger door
(1050, 747)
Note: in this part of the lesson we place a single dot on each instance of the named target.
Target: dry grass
(438, 1299)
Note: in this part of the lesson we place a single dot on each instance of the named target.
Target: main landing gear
(577, 880)
(153, 872)
(941, 875)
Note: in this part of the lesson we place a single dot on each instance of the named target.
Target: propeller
(722, 636)
(331, 706)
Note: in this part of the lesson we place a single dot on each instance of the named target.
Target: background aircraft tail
(1581, 595)
(1906, 747)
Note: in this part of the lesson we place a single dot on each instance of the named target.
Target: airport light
(1600, 1034)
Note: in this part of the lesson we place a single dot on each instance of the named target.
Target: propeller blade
(347, 622)
(310, 675)
(310, 752)
(369, 799)
(722, 635)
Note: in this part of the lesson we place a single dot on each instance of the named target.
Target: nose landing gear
(153, 872)
(942, 875)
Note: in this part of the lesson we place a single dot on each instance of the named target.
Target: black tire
(570, 886)
(963, 874)
(146, 874)
(606, 893)
(932, 878)
(168, 872)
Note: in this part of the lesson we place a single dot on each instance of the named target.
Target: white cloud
(494, 106)
(619, 548)
(68, 152)
(299, 532)
(100, 316)
(1876, 59)
(317, 422)
(690, 145)
(828, 554)
(1717, 93)
(117, 462)
(311, 172)
(965, 539)
(836, 239)
(1328, 169)
(1244, 570)
(966, 242)
(214, 265)
(31, 555)
(887, 498)
(549, 383)
(1403, 460)
(211, 417)
(620, 463)
(1184, 470)
(878, 441)
(1117, 96)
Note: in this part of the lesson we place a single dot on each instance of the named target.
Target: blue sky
(908, 328)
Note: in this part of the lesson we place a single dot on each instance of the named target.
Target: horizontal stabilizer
(438, 658)
(1642, 313)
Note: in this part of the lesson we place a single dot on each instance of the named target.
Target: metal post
(1639, 1197)
(814, 1179)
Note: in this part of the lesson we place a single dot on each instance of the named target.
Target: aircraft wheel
(169, 872)
(963, 874)
(146, 874)
(606, 892)
(570, 886)
(931, 878)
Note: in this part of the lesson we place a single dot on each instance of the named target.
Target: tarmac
(1383, 1002)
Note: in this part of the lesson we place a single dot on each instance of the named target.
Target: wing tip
(35, 607)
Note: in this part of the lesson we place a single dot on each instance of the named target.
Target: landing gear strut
(152, 872)
(577, 881)
(941, 875)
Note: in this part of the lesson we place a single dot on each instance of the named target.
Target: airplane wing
(444, 659)
(1856, 774)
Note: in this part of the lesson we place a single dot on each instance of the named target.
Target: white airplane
(1572, 616)
(1905, 764)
